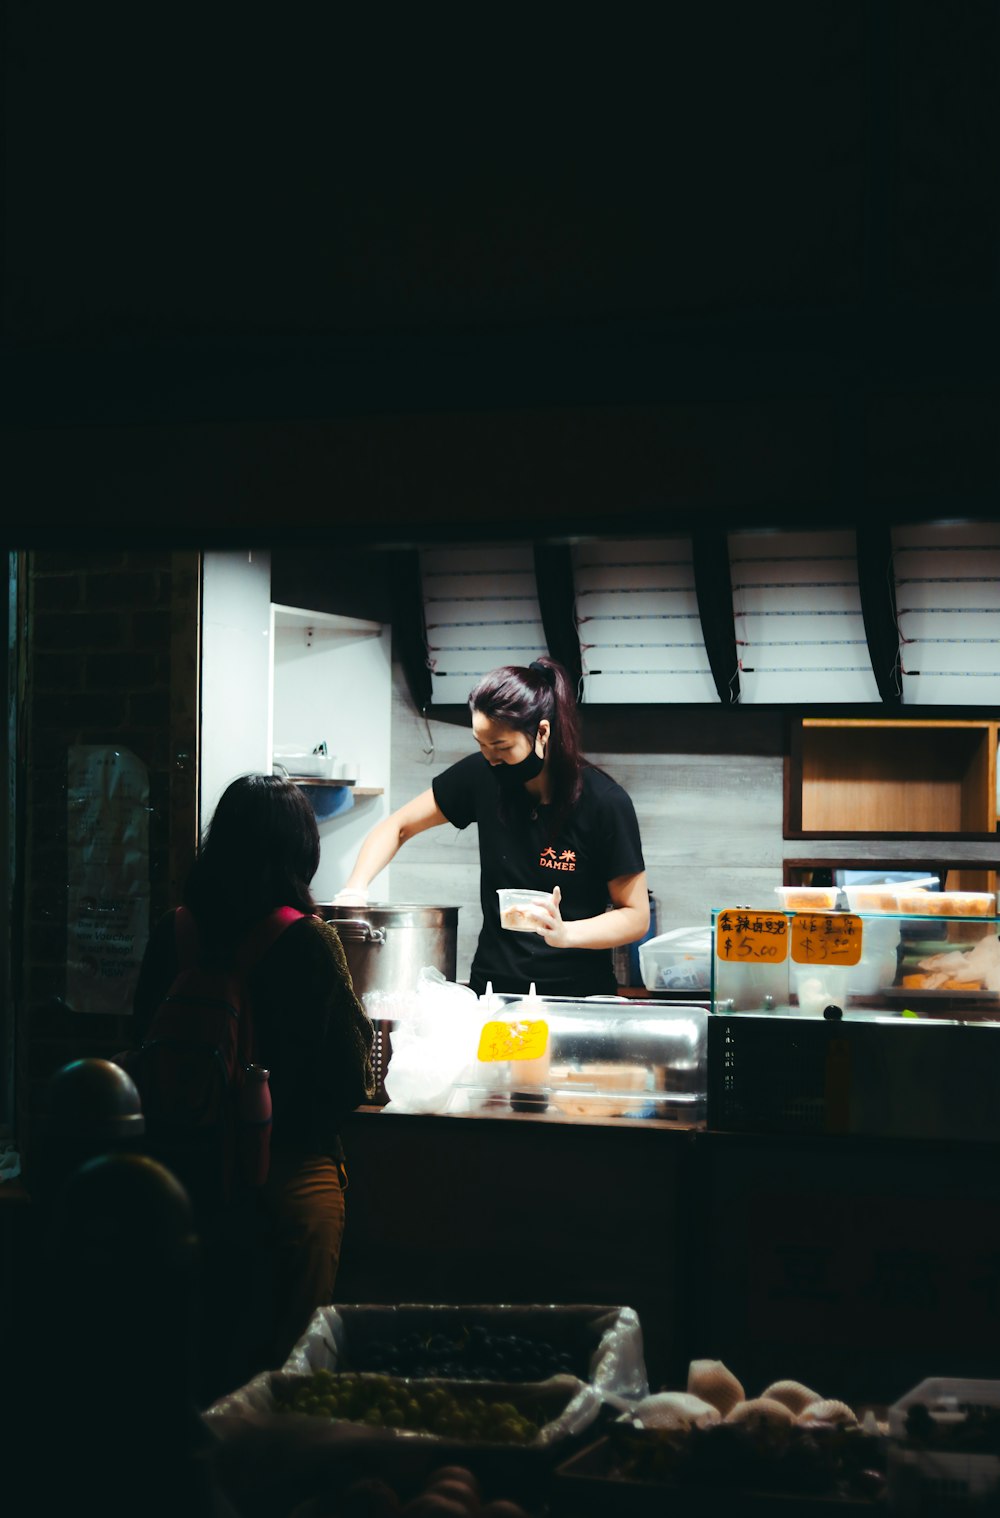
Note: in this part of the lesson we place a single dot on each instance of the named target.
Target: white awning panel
(637, 617)
(480, 611)
(800, 633)
(947, 579)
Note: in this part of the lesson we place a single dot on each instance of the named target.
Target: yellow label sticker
(826, 938)
(499, 1041)
(751, 937)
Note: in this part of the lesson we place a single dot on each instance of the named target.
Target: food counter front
(820, 1020)
(883, 1020)
(833, 1204)
(598, 1058)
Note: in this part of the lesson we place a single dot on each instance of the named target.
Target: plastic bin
(936, 1479)
(602, 1345)
(565, 1409)
(677, 961)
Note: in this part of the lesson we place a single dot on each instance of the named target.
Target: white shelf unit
(332, 682)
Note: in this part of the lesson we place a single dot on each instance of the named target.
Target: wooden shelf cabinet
(920, 778)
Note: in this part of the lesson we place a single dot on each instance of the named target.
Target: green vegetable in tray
(474, 1354)
(386, 1402)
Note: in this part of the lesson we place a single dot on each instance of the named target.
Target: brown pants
(268, 1266)
(301, 1211)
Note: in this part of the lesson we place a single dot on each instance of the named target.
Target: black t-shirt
(598, 842)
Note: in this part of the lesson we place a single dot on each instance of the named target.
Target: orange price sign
(826, 938)
(747, 937)
(500, 1041)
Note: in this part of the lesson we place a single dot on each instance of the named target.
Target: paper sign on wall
(107, 871)
(746, 937)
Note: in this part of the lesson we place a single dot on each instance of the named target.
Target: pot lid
(384, 909)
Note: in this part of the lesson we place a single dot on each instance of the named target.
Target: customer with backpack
(245, 975)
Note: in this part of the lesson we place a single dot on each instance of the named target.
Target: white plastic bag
(432, 1044)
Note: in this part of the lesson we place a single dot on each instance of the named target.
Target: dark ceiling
(737, 258)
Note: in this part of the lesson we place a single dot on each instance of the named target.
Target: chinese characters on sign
(750, 937)
(826, 938)
(501, 1041)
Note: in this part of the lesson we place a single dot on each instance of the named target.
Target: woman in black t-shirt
(548, 821)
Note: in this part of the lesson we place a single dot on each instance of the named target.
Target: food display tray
(566, 1409)
(585, 1485)
(602, 1344)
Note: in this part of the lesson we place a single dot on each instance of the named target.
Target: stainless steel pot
(387, 946)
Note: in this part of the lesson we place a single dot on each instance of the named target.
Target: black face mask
(513, 775)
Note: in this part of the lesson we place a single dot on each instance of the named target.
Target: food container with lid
(873, 898)
(800, 898)
(518, 909)
(948, 903)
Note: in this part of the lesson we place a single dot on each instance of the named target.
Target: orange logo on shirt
(564, 861)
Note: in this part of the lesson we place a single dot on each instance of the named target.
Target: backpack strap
(253, 947)
(260, 938)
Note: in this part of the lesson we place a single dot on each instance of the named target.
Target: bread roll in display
(793, 1394)
(761, 1412)
(826, 1410)
(712, 1381)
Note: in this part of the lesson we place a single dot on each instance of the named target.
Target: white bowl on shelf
(305, 764)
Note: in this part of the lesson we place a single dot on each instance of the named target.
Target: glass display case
(913, 954)
(879, 1020)
(574, 1060)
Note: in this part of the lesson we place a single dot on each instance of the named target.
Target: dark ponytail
(521, 697)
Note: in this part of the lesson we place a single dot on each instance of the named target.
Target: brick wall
(112, 659)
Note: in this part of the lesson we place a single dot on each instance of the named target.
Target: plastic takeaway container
(518, 909)
(872, 898)
(948, 903)
(808, 898)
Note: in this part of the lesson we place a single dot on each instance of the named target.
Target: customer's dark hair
(521, 696)
(260, 851)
